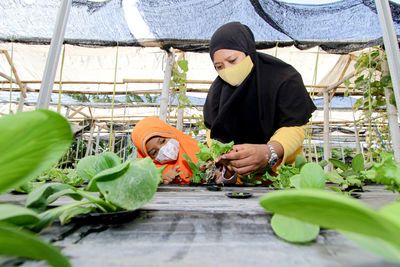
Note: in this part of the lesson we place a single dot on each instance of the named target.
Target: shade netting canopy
(336, 26)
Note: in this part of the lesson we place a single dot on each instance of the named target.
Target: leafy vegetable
(385, 172)
(30, 142)
(346, 175)
(17, 215)
(294, 230)
(219, 148)
(125, 186)
(17, 242)
(91, 165)
(339, 212)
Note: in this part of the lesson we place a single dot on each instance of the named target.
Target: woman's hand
(170, 175)
(246, 158)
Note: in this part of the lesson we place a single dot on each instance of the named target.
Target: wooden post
(96, 152)
(89, 148)
(392, 117)
(166, 85)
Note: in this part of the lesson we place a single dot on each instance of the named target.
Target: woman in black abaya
(257, 101)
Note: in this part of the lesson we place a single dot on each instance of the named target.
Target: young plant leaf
(293, 230)
(312, 176)
(339, 164)
(295, 181)
(134, 187)
(90, 166)
(220, 148)
(30, 143)
(300, 161)
(334, 177)
(331, 210)
(15, 241)
(106, 175)
(357, 164)
(38, 199)
(17, 215)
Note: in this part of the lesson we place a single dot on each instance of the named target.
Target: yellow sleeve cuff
(291, 139)
(208, 136)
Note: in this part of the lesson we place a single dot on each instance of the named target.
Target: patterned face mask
(168, 152)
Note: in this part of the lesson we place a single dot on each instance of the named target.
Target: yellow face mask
(237, 73)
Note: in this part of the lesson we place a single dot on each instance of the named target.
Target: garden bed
(192, 226)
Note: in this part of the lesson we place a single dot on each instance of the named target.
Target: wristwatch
(273, 159)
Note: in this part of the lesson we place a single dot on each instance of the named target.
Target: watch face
(273, 160)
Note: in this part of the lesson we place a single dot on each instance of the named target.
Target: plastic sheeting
(338, 27)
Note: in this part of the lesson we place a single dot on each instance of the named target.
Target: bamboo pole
(89, 147)
(14, 71)
(96, 152)
(327, 149)
(392, 117)
(166, 85)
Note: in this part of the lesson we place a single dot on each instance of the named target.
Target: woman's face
(154, 144)
(224, 58)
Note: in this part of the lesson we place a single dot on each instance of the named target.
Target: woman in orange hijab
(165, 145)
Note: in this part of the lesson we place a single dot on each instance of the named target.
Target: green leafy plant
(345, 175)
(376, 231)
(30, 142)
(370, 79)
(126, 186)
(291, 229)
(287, 171)
(385, 172)
(206, 157)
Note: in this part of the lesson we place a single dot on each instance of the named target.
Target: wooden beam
(15, 73)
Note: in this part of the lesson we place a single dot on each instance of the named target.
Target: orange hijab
(152, 126)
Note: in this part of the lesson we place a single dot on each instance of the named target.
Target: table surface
(192, 226)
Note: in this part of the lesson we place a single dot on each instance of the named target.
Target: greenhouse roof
(337, 26)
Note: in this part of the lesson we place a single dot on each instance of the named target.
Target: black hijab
(272, 96)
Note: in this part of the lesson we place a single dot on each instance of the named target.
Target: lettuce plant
(30, 143)
(386, 172)
(207, 156)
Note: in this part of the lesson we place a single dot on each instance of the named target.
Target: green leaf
(134, 187)
(30, 143)
(17, 215)
(312, 176)
(86, 167)
(293, 230)
(295, 181)
(108, 174)
(331, 210)
(323, 163)
(339, 164)
(38, 198)
(334, 177)
(48, 216)
(300, 161)
(336, 189)
(90, 166)
(220, 148)
(66, 216)
(375, 245)
(357, 164)
(17, 242)
(183, 64)
(204, 154)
